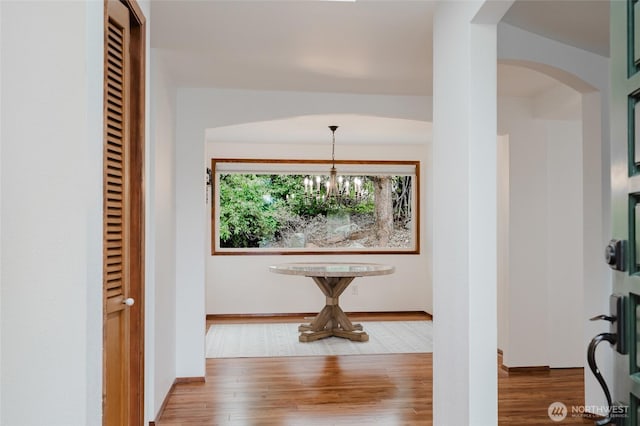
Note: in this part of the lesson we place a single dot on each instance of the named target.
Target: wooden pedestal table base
(333, 278)
(332, 321)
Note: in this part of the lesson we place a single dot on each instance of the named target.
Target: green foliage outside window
(288, 213)
(253, 208)
(247, 215)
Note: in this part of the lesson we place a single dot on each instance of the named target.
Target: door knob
(129, 301)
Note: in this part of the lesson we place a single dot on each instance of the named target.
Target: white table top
(332, 269)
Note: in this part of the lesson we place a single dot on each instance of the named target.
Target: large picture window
(282, 207)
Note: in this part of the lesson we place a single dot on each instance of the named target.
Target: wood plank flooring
(363, 390)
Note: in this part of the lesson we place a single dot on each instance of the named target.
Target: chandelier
(334, 190)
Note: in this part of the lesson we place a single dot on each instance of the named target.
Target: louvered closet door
(116, 226)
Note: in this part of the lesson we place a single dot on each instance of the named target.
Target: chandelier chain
(333, 145)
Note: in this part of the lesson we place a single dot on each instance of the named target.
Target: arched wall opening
(199, 109)
(549, 295)
(241, 284)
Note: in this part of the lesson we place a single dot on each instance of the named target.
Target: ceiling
(366, 46)
(580, 23)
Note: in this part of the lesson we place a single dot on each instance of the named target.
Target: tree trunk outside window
(384, 209)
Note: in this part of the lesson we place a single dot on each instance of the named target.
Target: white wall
(161, 244)
(597, 225)
(243, 285)
(544, 311)
(51, 312)
(527, 235)
(503, 240)
(564, 243)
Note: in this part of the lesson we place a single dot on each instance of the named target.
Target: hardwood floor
(363, 390)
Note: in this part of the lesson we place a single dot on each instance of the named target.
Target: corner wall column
(465, 212)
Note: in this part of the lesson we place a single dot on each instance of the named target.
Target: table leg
(331, 320)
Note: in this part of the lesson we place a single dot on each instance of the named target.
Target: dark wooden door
(123, 220)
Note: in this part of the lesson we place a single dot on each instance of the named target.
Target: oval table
(333, 278)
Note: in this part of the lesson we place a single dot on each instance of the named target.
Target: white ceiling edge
(553, 101)
(354, 129)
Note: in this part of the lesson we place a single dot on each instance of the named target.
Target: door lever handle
(603, 317)
(591, 359)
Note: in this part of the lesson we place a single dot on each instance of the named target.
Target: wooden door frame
(137, 125)
(137, 158)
